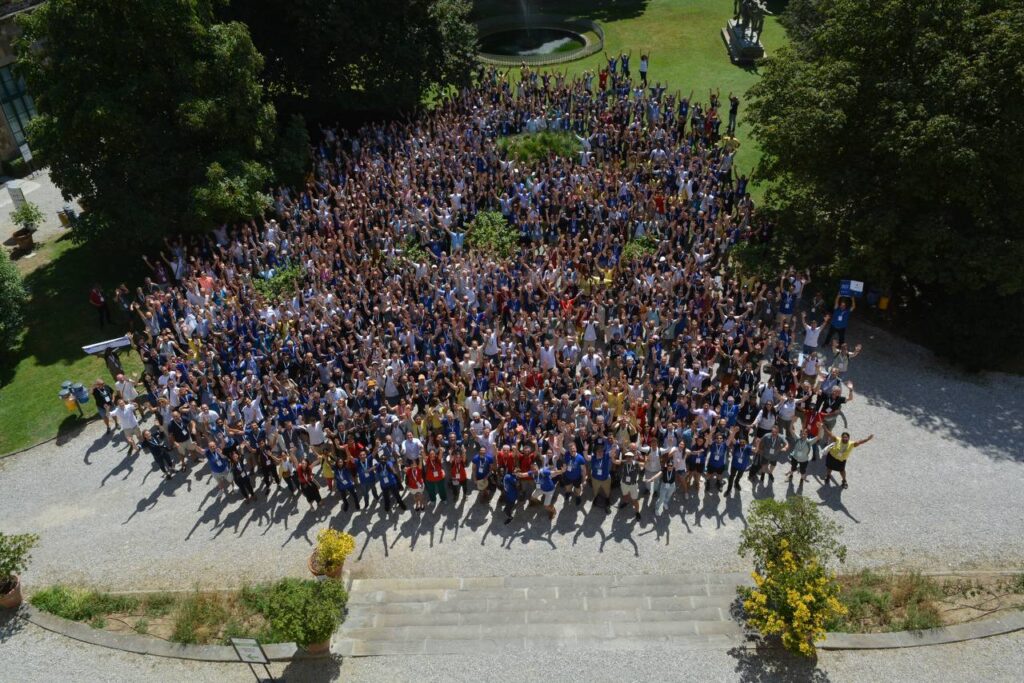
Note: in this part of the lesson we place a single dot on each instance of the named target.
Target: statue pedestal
(742, 50)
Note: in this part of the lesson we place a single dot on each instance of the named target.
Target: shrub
(792, 600)
(302, 611)
(796, 522)
(284, 282)
(13, 299)
(795, 595)
(79, 604)
(530, 148)
(332, 548)
(639, 248)
(413, 250)
(14, 554)
(889, 602)
(490, 233)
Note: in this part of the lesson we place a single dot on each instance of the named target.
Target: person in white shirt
(128, 421)
(811, 333)
(412, 448)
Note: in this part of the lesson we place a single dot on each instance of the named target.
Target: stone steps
(493, 614)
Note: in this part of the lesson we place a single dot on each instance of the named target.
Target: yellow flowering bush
(793, 601)
(332, 548)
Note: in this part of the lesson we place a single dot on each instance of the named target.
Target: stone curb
(142, 645)
(999, 625)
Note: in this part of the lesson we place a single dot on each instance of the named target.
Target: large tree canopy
(152, 112)
(326, 56)
(892, 134)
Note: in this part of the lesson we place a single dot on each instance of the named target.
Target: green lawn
(60, 321)
(683, 37)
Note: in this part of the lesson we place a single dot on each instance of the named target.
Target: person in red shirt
(457, 471)
(602, 78)
(414, 482)
(507, 459)
(99, 302)
(434, 472)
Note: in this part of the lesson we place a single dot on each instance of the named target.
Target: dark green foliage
(152, 113)
(533, 147)
(13, 298)
(292, 162)
(300, 611)
(892, 140)
(329, 56)
(284, 282)
(639, 248)
(490, 232)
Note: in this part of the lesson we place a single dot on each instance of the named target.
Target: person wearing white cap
(629, 477)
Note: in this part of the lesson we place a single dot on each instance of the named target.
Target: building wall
(9, 30)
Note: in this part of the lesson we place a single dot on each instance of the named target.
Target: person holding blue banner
(840, 320)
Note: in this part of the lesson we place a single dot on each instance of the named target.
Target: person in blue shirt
(344, 483)
(366, 471)
(575, 474)
(600, 465)
(389, 485)
(545, 478)
(510, 487)
(742, 455)
(717, 461)
(695, 459)
(218, 463)
(483, 463)
(840, 320)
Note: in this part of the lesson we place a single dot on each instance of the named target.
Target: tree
(326, 56)
(152, 113)
(799, 524)
(13, 298)
(891, 141)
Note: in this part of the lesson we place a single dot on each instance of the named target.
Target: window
(18, 105)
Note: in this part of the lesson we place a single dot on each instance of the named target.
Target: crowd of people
(410, 367)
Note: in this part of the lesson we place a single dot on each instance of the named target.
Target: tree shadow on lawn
(59, 318)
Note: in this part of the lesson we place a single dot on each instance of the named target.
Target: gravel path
(32, 655)
(935, 489)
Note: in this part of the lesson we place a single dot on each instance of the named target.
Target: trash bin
(80, 392)
(69, 400)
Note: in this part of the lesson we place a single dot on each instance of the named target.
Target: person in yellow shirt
(838, 452)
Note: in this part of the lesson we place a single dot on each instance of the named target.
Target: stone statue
(757, 12)
(746, 16)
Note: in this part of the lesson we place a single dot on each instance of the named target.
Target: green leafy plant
(795, 521)
(413, 250)
(639, 248)
(79, 604)
(530, 148)
(28, 216)
(13, 299)
(14, 557)
(284, 282)
(490, 233)
(891, 602)
(301, 611)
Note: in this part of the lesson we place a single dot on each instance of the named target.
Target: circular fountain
(537, 39)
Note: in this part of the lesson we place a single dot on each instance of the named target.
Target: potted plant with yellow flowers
(332, 549)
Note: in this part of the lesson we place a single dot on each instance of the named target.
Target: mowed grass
(683, 38)
(59, 322)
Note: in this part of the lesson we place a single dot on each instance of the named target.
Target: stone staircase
(497, 614)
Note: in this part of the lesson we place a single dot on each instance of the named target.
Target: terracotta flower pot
(316, 570)
(319, 648)
(12, 599)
